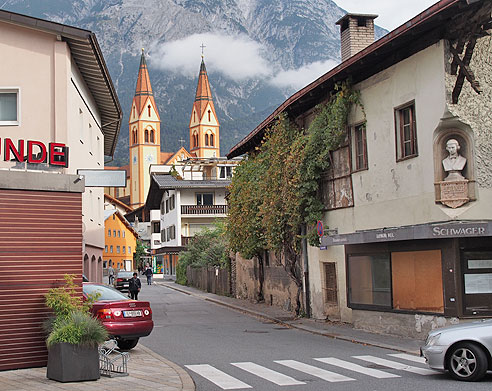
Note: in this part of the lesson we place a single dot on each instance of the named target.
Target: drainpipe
(305, 280)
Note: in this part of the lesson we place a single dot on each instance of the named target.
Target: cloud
(298, 78)
(237, 56)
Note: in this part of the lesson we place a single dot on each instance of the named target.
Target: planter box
(70, 363)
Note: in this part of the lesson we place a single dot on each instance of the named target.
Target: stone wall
(475, 109)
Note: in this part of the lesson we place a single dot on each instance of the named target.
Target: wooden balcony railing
(203, 209)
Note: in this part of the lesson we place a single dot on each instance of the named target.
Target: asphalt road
(225, 349)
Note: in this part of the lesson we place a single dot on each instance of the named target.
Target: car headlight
(432, 339)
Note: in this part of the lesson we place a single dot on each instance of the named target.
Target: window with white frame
(9, 106)
(204, 199)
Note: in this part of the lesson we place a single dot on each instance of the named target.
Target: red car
(126, 320)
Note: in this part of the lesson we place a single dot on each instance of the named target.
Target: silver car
(465, 350)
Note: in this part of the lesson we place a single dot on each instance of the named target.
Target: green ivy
(275, 191)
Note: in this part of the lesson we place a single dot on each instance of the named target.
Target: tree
(140, 252)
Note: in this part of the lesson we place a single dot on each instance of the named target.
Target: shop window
(330, 288)
(369, 281)
(359, 148)
(204, 199)
(417, 281)
(406, 131)
(477, 282)
(9, 107)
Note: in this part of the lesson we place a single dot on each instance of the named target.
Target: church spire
(204, 124)
(144, 89)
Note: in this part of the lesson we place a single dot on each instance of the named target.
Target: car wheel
(127, 344)
(467, 362)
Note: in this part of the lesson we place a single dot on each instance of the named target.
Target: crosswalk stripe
(408, 357)
(268, 374)
(314, 371)
(221, 379)
(357, 368)
(396, 365)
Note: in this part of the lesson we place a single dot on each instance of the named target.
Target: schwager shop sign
(426, 231)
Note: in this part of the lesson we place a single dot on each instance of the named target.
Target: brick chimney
(356, 33)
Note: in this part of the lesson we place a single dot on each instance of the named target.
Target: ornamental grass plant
(72, 321)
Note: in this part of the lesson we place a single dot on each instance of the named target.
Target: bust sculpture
(454, 163)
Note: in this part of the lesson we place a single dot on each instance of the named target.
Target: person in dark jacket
(149, 273)
(134, 286)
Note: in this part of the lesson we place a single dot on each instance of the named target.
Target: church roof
(143, 91)
(203, 95)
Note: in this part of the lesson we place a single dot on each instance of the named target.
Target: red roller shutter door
(40, 241)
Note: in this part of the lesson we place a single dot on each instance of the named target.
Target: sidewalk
(335, 330)
(147, 371)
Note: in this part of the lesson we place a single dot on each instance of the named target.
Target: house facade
(58, 113)
(407, 220)
(120, 241)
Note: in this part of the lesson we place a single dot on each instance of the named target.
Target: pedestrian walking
(110, 274)
(149, 273)
(134, 286)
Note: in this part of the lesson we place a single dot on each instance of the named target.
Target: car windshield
(105, 292)
(125, 274)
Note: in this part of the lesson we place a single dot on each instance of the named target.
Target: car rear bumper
(434, 356)
(140, 328)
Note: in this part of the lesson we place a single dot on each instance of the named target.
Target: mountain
(257, 53)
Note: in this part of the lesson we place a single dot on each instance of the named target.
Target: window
(330, 287)
(149, 108)
(152, 136)
(209, 116)
(109, 233)
(359, 148)
(225, 172)
(106, 249)
(167, 205)
(9, 107)
(400, 280)
(212, 140)
(406, 132)
(117, 249)
(123, 233)
(156, 228)
(163, 210)
(206, 139)
(114, 233)
(119, 233)
(113, 216)
(172, 202)
(204, 199)
(163, 236)
(369, 280)
(124, 249)
(146, 135)
(111, 249)
(172, 232)
(129, 250)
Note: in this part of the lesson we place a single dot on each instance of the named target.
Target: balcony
(204, 209)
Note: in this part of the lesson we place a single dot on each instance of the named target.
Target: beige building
(406, 246)
(58, 113)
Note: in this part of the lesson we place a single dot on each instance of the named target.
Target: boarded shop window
(330, 287)
(369, 280)
(417, 281)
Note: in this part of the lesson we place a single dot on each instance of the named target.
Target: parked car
(126, 320)
(121, 280)
(465, 350)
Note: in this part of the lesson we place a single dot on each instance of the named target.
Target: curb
(186, 380)
(294, 326)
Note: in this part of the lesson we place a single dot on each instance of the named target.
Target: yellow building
(120, 241)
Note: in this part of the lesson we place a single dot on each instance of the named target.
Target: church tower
(144, 125)
(204, 124)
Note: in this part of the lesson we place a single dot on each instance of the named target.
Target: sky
(240, 58)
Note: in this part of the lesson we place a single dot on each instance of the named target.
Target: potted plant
(73, 335)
